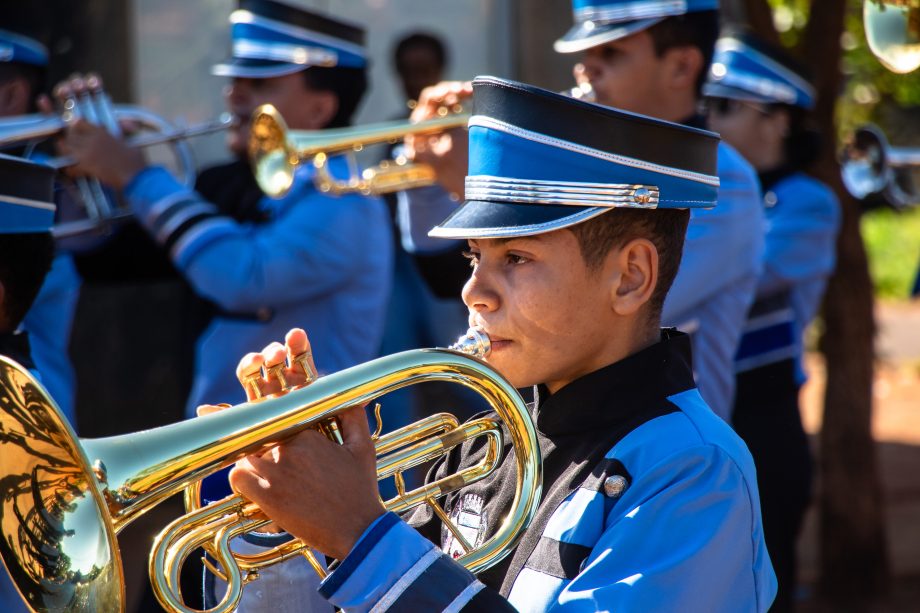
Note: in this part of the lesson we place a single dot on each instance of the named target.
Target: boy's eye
(473, 257)
(516, 259)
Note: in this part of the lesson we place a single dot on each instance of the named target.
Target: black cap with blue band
(746, 68)
(598, 22)
(26, 196)
(273, 39)
(541, 161)
(22, 49)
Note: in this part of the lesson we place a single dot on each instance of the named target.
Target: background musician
(23, 64)
(267, 264)
(760, 101)
(647, 495)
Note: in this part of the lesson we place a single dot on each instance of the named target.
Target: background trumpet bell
(64, 499)
(893, 32)
(876, 173)
(275, 152)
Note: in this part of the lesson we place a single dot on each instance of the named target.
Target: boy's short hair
(348, 84)
(665, 228)
(25, 260)
(698, 29)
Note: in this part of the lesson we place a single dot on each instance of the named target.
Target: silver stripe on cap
(244, 16)
(568, 193)
(775, 90)
(628, 11)
(35, 204)
(494, 124)
(284, 52)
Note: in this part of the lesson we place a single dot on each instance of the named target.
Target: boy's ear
(683, 66)
(637, 265)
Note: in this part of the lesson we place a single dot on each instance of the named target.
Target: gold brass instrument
(65, 499)
(877, 173)
(275, 152)
(893, 32)
(94, 105)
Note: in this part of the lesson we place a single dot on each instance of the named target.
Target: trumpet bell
(58, 537)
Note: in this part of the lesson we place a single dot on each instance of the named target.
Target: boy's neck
(623, 343)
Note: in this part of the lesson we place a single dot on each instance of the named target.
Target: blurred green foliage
(893, 245)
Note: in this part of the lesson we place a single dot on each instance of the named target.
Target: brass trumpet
(64, 499)
(275, 152)
(94, 105)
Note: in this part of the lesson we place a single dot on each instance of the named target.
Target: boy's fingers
(355, 429)
(301, 366)
(249, 374)
(207, 409)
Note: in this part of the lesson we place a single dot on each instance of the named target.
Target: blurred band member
(760, 101)
(23, 64)
(308, 257)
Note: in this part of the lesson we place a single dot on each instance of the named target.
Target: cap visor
(589, 34)
(255, 69)
(717, 90)
(487, 219)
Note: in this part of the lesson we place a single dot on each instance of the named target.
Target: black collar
(771, 177)
(620, 392)
(15, 345)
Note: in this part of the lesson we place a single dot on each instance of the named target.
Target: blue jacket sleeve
(303, 253)
(801, 235)
(679, 535)
(723, 245)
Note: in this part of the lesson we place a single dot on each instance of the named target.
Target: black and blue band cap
(271, 39)
(541, 161)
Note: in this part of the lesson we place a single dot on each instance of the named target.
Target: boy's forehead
(499, 242)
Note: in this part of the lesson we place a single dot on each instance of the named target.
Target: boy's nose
(478, 295)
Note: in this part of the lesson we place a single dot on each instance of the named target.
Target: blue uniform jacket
(321, 262)
(803, 217)
(683, 530)
(715, 284)
(49, 323)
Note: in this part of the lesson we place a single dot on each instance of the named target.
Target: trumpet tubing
(66, 498)
(275, 152)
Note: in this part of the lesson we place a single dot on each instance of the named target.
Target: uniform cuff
(384, 553)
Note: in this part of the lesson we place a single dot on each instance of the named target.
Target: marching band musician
(267, 264)
(652, 58)
(649, 500)
(760, 101)
(26, 256)
(23, 63)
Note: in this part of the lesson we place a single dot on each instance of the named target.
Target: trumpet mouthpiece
(475, 343)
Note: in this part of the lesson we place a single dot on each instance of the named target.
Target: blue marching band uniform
(802, 220)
